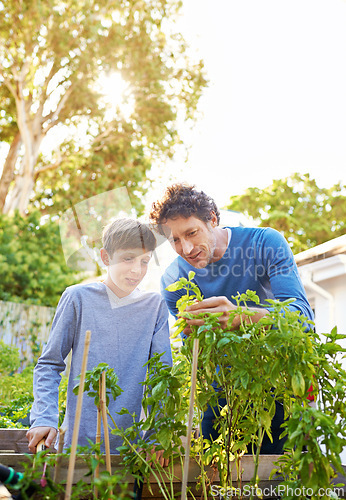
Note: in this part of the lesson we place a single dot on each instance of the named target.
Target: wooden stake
(190, 420)
(98, 437)
(60, 450)
(105, 422)
(77, 418)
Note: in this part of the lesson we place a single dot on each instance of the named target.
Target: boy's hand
(35, 435)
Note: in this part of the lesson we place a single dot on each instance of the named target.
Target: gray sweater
(124, 333)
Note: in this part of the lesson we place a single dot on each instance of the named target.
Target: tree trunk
(8, 170)
(20, 194)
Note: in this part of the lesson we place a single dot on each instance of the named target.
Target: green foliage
(165, 404)
(115, 162)
(276, 359)
(304, 213)
(8, 126)
(32, 264)
(92, 381)
(62, 398)
(114, 487)
(15, 389)
(9, 359)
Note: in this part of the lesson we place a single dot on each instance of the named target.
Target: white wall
(325, 285)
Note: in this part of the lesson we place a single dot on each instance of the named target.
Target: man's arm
(283, 272)
(274, 255)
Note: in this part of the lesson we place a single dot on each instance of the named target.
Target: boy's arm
(47, 373)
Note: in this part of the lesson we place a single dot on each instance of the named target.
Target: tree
(304, 213)
(9, 133)
(32, 264)
(51, 57)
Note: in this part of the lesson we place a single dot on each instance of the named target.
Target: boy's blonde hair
(127, 233)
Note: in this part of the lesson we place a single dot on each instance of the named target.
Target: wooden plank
(14, 440)
(16, 460)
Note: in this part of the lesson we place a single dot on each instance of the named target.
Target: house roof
(336, 246)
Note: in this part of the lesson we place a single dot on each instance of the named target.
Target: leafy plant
(91, 384)
(9, 359)
(165, 404)
(106, 484)
(32, 264)
(275, 359)
(16, 390)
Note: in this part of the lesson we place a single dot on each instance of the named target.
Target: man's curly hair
(183, 200)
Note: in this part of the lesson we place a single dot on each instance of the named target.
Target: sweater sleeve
(282, 271)
(160, 342)
(47, 373)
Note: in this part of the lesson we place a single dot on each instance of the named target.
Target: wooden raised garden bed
(13, 446)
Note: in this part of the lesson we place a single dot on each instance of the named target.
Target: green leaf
(191, 275)
(265, 419)
(159, 390)
(175, 286)
(298, 384)
(245, 380)
(164, 437)
(222, 342)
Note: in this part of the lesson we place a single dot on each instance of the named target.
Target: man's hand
(158, 457)
(35, 435)
(220, 305)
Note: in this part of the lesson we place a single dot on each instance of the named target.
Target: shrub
(16, 390)
(32, 264)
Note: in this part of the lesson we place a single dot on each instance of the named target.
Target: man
(226, 261)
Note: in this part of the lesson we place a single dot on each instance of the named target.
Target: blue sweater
(124, 333)
(257, 259)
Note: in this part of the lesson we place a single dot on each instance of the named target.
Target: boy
(127, 327)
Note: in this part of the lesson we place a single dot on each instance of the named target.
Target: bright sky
(276, 103)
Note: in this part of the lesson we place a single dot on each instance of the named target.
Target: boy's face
(126, 269)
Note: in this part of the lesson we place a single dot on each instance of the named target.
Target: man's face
(193, 239)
